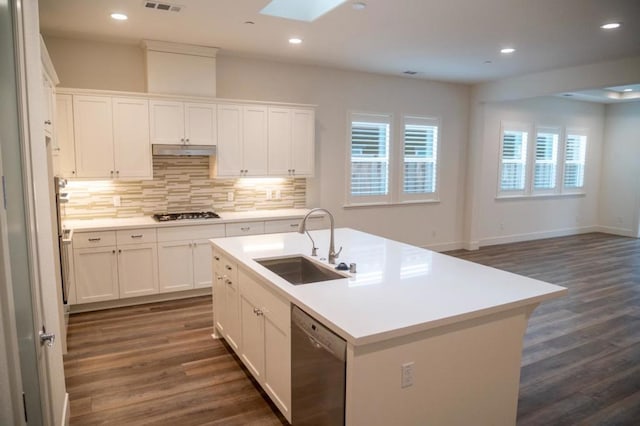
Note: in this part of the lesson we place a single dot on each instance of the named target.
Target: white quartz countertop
(79, 225)
(398, 289)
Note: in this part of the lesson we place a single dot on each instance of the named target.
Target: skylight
(308, 10)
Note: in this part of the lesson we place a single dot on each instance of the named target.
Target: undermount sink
(299, 270)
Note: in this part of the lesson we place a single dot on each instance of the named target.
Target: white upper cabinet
(180, 123)
(242, 140)
(111, 137)
(64, 136)
(49, 111)
(132, 155)
(93, 129)
(291, 142)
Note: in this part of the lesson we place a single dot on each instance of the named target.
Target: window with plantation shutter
(420, 158)
(546, 160)
(513, 160)
(574, 160)
(369, 157)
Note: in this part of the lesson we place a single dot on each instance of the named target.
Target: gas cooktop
(165, 217)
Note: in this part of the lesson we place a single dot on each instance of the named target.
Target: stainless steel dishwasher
(318, 365)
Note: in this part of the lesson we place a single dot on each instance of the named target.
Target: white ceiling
(446, 40)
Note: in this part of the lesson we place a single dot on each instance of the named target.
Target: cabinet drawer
(276, 308)
(284, 225)
(244, 228)
(193, 232)
(135, 236)
(94, 239)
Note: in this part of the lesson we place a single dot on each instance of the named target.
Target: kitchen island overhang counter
(459, 325)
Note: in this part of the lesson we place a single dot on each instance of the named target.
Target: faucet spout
(333, 255)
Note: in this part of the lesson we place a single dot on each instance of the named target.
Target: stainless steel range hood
(184, 149)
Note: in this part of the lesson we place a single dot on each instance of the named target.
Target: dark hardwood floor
(157, 364)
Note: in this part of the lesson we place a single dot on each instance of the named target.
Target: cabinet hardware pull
(73, 172)
(294, 225)
(245, 228)
(94, 239)
(229, 282)
(187, 140)
(113, 251)
(111, 172)
(117, 172)
(220, 278)
(137, 236)
(119, 250)
(47, 122)
(259, 312)
(216, 257)
(228, 267)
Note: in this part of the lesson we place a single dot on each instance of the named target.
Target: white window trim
(413, 198)
(518, 127)
(559, 157)
(582, 132)
(372, 117)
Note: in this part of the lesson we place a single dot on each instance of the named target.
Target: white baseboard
(617, 231)
(515, 238)
(455, 245)
(131, 301)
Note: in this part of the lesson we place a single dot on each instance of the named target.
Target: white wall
(506, 220)
(620, 187)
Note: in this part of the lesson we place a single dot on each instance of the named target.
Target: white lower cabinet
(184, 256)
(226, 300)
(266, 339)
(110, 265)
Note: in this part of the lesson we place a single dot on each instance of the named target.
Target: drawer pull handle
(229, 282)
(293, 225)
(216, 257)
(228, 267)
(246, 228)
(94, 239)
(137, 236)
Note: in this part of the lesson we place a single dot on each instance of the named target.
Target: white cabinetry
(291, 142)
(110, 265)
(49, 106)
(64, 135)
(226, 300)
(184, 256)
(177, 123)
(242, 140)
(266, 334)
(244, 228)
(111, 137)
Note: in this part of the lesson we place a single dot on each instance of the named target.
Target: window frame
(514, 127)
(557, 130)
(580, 132)
(369, 117)
(402, 196)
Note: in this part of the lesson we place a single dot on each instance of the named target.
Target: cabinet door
(167, 122)
(232, 305)
(229, 155)
(96, 274)
(252, 321)
(302, 142)
(219, 302)
(279, 142)
(202, 264)
(48, 96)
(200, 124)
(93, 130)
(254, 140)
(175, 266)
(138, 269)
(132, 150)
(277, 364)
(64, 136)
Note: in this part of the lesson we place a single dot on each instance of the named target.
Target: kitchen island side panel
(463, 374)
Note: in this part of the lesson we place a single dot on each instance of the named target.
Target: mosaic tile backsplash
(179, 184)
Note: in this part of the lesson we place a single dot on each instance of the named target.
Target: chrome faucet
(332, 250)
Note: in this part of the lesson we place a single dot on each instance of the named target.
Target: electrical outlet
(278, 195)
(268, 194)
(116, 201)
(230, 196)
(406, 376)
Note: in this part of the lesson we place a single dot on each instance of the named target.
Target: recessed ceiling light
(358, 5)
(119, 16)
(249, 22)
(295, 40)
(610, 26)
(628, 89)
(507, 50)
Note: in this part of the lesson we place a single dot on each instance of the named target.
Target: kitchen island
(458, 325)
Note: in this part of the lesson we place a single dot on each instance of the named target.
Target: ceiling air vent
(162, 6)
(410, 72)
